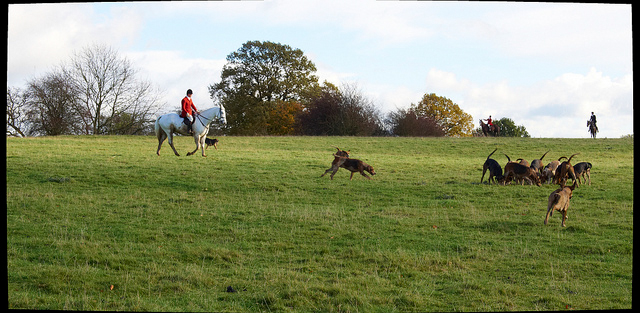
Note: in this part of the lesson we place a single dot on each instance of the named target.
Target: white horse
(168, 124)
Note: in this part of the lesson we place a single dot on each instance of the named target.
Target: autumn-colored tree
(449, 116)
(281, 117)
(258, 79)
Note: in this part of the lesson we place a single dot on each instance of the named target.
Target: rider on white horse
(187, 110)
(190, 122)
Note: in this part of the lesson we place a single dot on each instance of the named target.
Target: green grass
(171, 233)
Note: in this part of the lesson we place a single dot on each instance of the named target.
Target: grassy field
(102, 223)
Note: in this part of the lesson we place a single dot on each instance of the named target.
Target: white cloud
(558, 107)
(568, 32)
(379, 21)
(390, 98)
(41, 36)
(174, 74)
(441, 80)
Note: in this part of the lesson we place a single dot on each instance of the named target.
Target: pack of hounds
(556, 172)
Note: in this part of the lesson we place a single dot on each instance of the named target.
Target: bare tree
(340, 112)
(109, 99)
(17, 107)
(51, 109)
(404, 122)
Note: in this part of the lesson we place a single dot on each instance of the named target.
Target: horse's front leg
(199, 143)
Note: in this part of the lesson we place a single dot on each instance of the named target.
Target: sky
(546, 66)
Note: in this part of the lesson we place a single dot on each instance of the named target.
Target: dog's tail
(508, 158)
(569, 161)
(542, 157)
(340, 150)
(492, 153)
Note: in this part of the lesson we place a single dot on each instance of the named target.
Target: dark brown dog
(340, 153)
(559, 201)
(353, 165)
(523, 162)
(211, 142)
(495, 171)
(521, 173)
(583, 169)
(565, 171)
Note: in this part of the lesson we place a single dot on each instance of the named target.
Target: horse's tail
(157, 128)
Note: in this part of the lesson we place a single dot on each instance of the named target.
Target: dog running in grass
(211, 142)
(340, 153)
(559, 201)
(353, 165)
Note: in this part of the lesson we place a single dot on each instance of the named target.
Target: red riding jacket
(187, 106)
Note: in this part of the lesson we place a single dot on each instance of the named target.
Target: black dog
(581, 169)
(495, 171)
(211, 142)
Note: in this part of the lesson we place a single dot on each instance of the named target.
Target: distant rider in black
(593, 120)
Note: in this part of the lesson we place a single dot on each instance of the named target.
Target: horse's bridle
(197, 115)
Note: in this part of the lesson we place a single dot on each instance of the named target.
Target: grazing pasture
(103, 223)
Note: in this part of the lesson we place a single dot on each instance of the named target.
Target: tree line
(96, 92)
(266, 88)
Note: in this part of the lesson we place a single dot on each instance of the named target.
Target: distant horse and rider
(489, 128)
(591, 125)
(190, 123)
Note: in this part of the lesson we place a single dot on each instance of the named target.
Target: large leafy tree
(259, 80)
(508, 128)
(453, 120)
